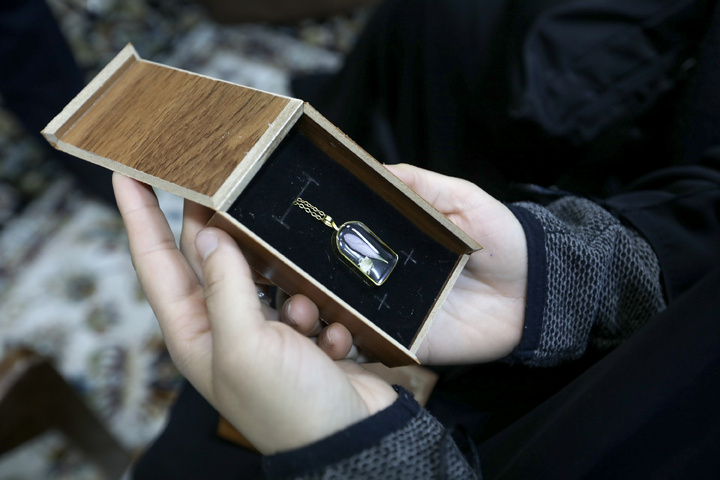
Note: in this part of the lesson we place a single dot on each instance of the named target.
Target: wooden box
(248, 155)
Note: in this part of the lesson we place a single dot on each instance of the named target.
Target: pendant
(357, 246)
(362, 250)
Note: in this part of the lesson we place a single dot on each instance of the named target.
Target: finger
(302, 314)
(461, 201)
(195, 217)
(357, 355)
(448, 194)
(167, 279)
(335, 341)
(235, 311)
(152, 244)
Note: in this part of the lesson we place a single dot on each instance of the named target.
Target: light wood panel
(205, 139)
(184, 129)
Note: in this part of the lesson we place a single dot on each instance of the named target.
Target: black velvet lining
(297, 168)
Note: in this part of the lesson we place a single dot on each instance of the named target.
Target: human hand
(267, 378)
(483, 316)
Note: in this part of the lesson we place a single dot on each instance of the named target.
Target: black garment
(189, 447)
(583, 94)
(648, 409)
(39, 76)
(662, 378)
(644, 410)
(448, 82)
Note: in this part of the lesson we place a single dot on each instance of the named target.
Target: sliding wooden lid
(182, 132)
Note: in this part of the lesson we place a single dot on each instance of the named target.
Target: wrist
(345, 443)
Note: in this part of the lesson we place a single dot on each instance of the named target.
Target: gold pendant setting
(357, 246)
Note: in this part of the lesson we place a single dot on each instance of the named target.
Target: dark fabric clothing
(414, 440)
(677, 211)
(599, 284)
(464, 400)
(189, 447)
(586, 95)
(581, 94)
(647, 408)
(38, 77)
(39, 74)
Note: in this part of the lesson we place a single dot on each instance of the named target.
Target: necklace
(357, 246)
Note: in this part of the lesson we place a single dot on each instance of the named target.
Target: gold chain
(310, 208)
(315, 212)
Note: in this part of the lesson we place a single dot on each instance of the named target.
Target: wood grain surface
(186, 129)
(204, 139)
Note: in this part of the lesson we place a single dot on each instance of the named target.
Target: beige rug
(67, 287)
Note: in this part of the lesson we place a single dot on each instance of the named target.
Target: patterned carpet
(67, 287)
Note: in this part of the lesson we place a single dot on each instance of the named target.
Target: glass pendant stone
(365, 252)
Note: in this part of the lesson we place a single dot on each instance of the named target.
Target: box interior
(299, 168)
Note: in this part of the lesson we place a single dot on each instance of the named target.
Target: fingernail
(287, 315)
(327, 339)
(206, 242)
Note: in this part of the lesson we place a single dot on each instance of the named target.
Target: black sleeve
(648, 408)
(600, 278)
(592, 280)
(402, 441)
(678, 212)
(599, 270)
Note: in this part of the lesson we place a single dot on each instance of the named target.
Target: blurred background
(68, 292)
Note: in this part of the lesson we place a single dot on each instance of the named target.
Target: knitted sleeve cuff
(335, 448)
(537, 285)
(402, 441)
(592, 281)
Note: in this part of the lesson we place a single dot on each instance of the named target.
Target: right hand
(264, 376)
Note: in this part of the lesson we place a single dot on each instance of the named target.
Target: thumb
(230, 293)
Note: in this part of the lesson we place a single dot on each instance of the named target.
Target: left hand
(482, 318)
(276, 386)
